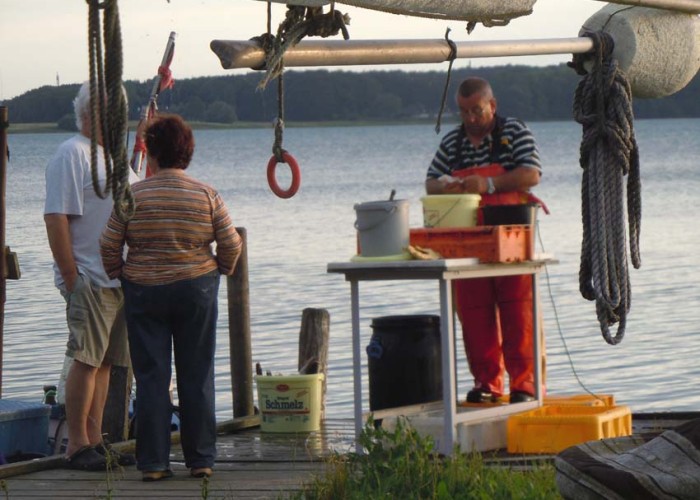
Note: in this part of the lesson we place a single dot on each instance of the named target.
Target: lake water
(290, 243)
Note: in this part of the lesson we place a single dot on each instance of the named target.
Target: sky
(44, 42)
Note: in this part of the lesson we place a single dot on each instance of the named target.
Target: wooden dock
(250, 465)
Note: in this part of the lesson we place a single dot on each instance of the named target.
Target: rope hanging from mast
(451, 58)
(110, 114)
(281, 155)
(299, 22)
(603, 106)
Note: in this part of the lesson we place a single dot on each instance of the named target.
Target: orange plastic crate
(551, 428)
(487, 243)
(580, 399)
(552, 399)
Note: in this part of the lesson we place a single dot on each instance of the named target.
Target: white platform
(444, 272)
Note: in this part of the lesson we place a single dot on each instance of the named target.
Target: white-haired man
(75, 218)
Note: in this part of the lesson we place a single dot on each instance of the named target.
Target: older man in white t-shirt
(75, 217)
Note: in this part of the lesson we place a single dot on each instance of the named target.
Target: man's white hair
(81, 104)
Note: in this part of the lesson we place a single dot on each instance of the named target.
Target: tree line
(528, 92)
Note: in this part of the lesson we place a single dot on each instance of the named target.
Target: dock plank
(229, 482)
(250, 465)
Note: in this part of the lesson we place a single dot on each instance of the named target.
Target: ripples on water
(291, 241)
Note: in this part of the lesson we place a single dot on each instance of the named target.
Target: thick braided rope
(109, 114)
(299, 22)
(118, 114)
(289, 33)
(96, 105)
(603, 106)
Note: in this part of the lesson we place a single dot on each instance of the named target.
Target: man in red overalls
(497, 158)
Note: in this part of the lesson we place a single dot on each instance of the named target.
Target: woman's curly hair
(170, 141)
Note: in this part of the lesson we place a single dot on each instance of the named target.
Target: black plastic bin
(404, 361)
(500, 215)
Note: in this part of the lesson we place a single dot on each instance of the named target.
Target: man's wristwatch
(490, 187)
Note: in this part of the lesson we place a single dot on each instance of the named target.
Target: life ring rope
(272, 178)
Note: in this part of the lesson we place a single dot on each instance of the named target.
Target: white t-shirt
(69, 191)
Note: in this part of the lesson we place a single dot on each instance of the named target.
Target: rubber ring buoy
(296, 175)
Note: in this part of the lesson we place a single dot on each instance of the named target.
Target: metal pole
(689, 6)
(249, 54)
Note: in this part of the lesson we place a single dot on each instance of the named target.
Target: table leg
(449, 391)
(539, 393)
(356, 361)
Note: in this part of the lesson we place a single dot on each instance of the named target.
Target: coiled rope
(299, 22)
(111, 116)
(603, 106)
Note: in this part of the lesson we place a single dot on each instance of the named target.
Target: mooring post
(239, 334)
(115, 422)
(4, 123)
(313, 346)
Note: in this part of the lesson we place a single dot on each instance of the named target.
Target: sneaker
(480, 395)
(156, 475)
(116, 457)
(87, 458)
(521, 397)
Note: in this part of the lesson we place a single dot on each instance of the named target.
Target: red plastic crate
(487, 243)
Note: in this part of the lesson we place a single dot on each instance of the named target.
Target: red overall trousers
(496, 316)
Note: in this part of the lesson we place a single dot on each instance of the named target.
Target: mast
(250, 54)
(657, 47)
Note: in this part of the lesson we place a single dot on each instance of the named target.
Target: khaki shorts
(96, 325)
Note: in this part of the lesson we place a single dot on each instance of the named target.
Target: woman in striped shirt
(170, 280)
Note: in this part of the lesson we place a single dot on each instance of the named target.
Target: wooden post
(115, 422)
(4, 123)
(313, 346)
(239, 334)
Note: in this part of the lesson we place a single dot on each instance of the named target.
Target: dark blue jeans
(179, 317)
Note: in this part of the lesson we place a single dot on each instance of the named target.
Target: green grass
(403, 465)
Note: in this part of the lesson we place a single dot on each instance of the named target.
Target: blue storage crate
(24, 428)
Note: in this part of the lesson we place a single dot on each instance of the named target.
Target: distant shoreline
(49, 128)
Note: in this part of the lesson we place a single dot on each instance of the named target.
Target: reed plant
(401, 463)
